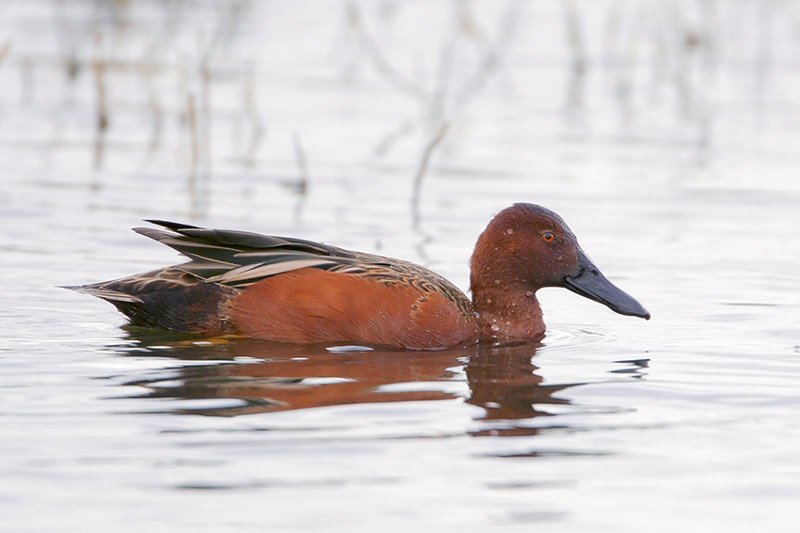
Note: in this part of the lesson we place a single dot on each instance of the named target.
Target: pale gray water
(674, 157)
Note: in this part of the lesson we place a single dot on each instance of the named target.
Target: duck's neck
(509, 315)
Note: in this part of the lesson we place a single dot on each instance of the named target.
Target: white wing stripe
(244, 273)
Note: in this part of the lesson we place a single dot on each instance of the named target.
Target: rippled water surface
(666, 137)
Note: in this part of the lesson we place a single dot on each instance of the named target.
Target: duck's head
(526, 247)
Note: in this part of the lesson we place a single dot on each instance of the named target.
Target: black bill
(592, 284)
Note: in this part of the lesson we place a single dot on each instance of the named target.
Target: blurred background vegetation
(292, 95)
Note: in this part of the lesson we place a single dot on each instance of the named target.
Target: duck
(298, 291)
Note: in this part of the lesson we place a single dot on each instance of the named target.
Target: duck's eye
(549, 236)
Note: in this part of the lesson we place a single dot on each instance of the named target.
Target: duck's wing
(189, 296)
(224, 264)
(239, 258)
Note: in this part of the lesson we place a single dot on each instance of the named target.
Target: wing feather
(240, 258)
(249, 274)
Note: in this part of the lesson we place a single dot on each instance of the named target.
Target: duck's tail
(166, 299)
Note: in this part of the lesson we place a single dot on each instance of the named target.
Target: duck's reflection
(266, 377)
(503, 380)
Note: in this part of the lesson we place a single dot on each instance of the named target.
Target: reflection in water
(503, 381)
(267, 377)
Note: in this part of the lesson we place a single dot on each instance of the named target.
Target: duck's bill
(592, 284)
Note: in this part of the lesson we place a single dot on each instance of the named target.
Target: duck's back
(290, 290)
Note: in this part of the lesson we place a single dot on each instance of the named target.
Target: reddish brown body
(291, 290)
(311, 305)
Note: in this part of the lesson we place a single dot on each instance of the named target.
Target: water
(674, 162)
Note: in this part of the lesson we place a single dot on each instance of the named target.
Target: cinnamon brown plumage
(293, 290)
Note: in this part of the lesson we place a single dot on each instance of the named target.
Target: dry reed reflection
(198, 80)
